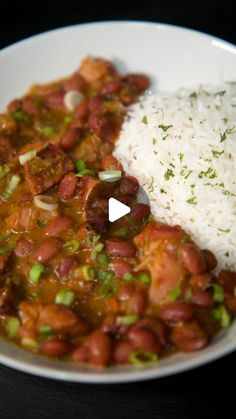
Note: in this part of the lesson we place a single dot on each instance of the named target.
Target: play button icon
(116, 210)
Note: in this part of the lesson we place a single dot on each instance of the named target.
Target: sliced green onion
(144, 277)
(88, 272)
(174, 293)
(12, 185)
(13, 325)
(29, 343)
(108, 289)
(103, 258)
(35, 272)
(218, 293)
(38, 101)
(23, 158)
(80, 165)
(222, 315)
(65, 296)
(68, 119)
(97, 249)
(48, 131)
(142, 357)
(45, 330)
(105, 276)
(4, 170)
(129, 319)
(110, 175)
(5, 249)
(127, 277)
(72, 246)
(19, 115)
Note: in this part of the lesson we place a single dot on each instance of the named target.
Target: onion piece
(110, 175)
(45, 202)
(23, 158)
(72, 99)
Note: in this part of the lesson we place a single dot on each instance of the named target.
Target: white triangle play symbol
(116, 209)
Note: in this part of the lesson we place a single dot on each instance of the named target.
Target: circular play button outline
(115, 215)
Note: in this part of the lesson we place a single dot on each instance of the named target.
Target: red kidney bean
(137, 303)
(70, 138)
(100, 204)
(121, 267)
(95, 102)
(48, 250)
(125, 292)
(144, 339)
(125, 199)
(55, 348)
(98, 345)
(210, 259)
(122, 351)
(202, 298)
(193, 259)
(82, 110)
(111, 87)
(138, 81)
(177, 311)
(188, 337)
(120, 249)
(155, 326)
(163, 231)
(110, 162)
(75, 82)
(14, 105)
(29, 106)
(67, 187)
(58, 225)
(65, 265)
(23, 248)
(139, 212)
(55, 100)
(60, 318)
(128, 185)
(80, 354)
(109, 324)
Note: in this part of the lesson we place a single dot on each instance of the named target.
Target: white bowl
(173, 57)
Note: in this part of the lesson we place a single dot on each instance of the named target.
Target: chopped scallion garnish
(35, 272)
(222, 315)
(13, 325)
(129, 319)
(65, 296)
(12, 185)
(88, 272)
(71, 246)
(174, 293)
(142, 357)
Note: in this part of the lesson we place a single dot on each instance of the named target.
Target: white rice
(189, 168)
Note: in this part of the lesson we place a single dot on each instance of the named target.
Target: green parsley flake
(164, 127)
(145, 120)
(192, 201)
(168, 174)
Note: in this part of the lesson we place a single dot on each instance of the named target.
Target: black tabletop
(206, 392)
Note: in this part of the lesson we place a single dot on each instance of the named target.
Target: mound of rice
(182, 148)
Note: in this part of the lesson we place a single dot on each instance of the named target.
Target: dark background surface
(207, 392)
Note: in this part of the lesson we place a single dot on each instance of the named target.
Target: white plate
(173, 57)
